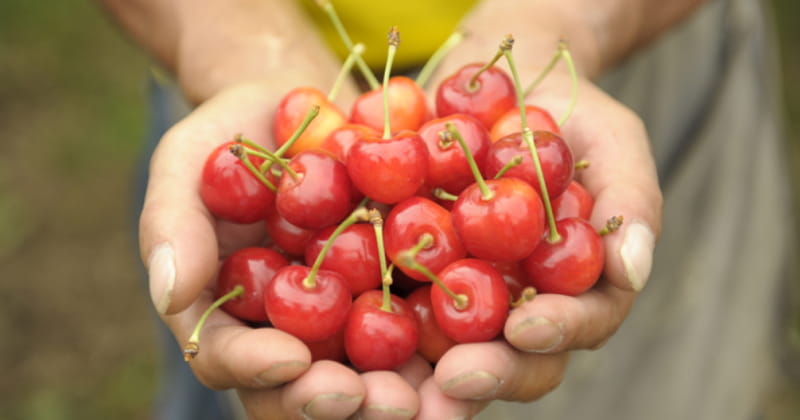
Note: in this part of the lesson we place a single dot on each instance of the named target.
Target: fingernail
(537, 335)
(161, 271)
(386, 412)
(637, 254)
(475, 385)
(335, 405)
(281, 372)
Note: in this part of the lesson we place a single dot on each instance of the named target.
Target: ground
(77, 330)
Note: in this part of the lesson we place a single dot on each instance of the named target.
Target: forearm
(600, 33)
(215, 43)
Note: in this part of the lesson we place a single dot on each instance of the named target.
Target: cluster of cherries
(462, 215)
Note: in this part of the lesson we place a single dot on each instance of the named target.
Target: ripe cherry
(253, 268)
(286, 236)
(575, 201)
(485, 97)
(293, 110)
(354, 255)
(408, 108)
(339, 141)
(230, 190)
(433, 342)
(538, 119)
(380, 336)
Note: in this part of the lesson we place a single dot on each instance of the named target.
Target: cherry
(377, 337)
(486, 97)
(538, 119)
(447, 166)
(298, 294)
(515, 277)
(232, 191)
(354, 255)
(408, 108)
(569, 266)
(433, 342)
(408, 223)
(575, 201)
(315, 191)
(555, 157)
(253, 268)
(286, 236)
(480, 316)
(331, 348)
(339, 141)
(291, 113)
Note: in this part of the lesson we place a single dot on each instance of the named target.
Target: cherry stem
(270, 158)
(329, 10)
(310, 115)
(473, 84)
(193, 346)
(386, 278)
(515, 161)
(527, 295)
(241, 152)
(527, 136)
(408, 259)
(441, 194)
(612, 225)
(574, 78)
(360, 214)
(486, 193)
(347, 67)
(582, 164)
(436, 58)
(545, 71)
(394, 40)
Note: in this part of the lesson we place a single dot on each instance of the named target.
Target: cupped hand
(182, 245)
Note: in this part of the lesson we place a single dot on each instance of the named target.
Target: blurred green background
(76, 329)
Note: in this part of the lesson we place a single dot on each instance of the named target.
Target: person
(673, 96)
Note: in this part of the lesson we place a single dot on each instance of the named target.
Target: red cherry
(230, 191)
(538, 119)
(447, 165)
(487, 100)
(555, 156)
(408, 108)
(252, 268)
(293, 110)
(309, 312)
(570, 266)
(408, 221)
(487, 301)
(353, 254)
(433, 342)
(575, 201)
(515, 277)
(391, 170)
(375, 339)
(329, 349)
(319, 196)
(286, 236)
(506, 227)
(339, 141)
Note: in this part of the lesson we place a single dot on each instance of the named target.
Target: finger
(494, 370)
(415, 371)
(622, 176)
(232, 355)
(553, 323)
(327, 391)
(178, 240)
(389, 397)
(436, 405)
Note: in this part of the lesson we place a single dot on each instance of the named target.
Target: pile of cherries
(394, 231)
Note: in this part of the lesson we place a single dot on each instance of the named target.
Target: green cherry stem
(394, 41)
(241, 152)
(473, 84)
(612, 225)
(310, 115)
(347, 67)
(574, 77)
(516, 160)
(436, 58)
(329, 10)
(270, 158)
(360, 214)
(486, 193)
(557, 56)
(527, 295)
(193, 345)
(527, 135)
(582, 164)
(408, 259)
(386, 278)
(441, 194)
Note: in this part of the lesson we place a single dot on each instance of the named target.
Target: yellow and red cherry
(339, 141)
(538, 119)
(291, 113)
(408, 108)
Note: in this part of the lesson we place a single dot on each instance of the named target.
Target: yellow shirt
(423, 26)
